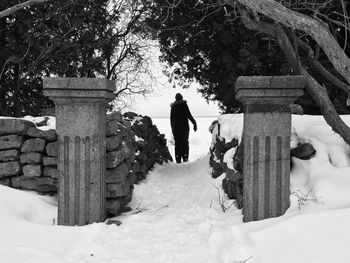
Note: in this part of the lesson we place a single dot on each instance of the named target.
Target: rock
(15, 126)
(127, 125)
(115, 128)
(231, 144)
(238, 159)
(9, 169)
(9, 155)
(31, 158)
(116, 190)
(49, 135)
(49, 161)
(40, 184)
(113, 142)
(217, 169)
(6, 182)
(130, 115)
(33, 145)
(135, 166)
(233, 175)
(229, 188)
(52, 149)
(11, 142)
(32, 170)
(297, 109)
(132, 178)
(113, 159)
(234, 190)
(141, 157)
(50, 172)
(113, 222)
(127, 148)
(113, 206)
(304, 151)
(115, 115)
(118, 174)
(147, 120)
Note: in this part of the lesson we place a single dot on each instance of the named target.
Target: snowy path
(176, 218)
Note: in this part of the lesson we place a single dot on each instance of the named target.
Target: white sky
(158, 103)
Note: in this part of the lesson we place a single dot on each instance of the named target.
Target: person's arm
(172, 118)
(190, 117)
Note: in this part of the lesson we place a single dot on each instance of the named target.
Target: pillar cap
(79, 88)
(269, 89)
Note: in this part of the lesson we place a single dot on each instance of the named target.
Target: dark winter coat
(179, 116)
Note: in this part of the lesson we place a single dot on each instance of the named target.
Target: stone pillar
(80, 124)
(266, 143)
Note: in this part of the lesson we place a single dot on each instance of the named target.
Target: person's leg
(178, 148)
(185, 148)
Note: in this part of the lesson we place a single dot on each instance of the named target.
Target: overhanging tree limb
(321, 69)
(20, 6)
(318, 92)
(314, 28)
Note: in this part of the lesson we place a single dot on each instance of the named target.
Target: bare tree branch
(318, 92)
(313, 27)
(20, 6)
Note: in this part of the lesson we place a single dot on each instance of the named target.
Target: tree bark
(314, 28)
(20, 6)
(321, 69)
(318, 92)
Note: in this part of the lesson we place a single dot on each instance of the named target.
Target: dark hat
(178, 96)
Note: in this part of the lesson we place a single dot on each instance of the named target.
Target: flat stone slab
(113, 159)
(5, 181)
(274, 89)
(51, 172)
(40, 184)
(11, 142)
(79, 88)
(31, 158)
(114, 127)
(304, 151)
(32, 170)
(52, 149)
(49, 135)
(113, 142)
(9, 155)
(118, 174)
(33, 145)
(9, 169)
(115, 115)
(117, 190)
(14, 126)
(49, 161)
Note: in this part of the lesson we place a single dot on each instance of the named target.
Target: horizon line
(193, 116)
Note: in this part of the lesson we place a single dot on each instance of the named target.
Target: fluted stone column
(80, 124)
(266, 143)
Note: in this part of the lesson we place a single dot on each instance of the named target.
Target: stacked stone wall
(28, 156)
(233, 168)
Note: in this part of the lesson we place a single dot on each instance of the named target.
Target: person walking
(179, 116)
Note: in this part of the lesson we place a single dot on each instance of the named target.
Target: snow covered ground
(177, 217)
